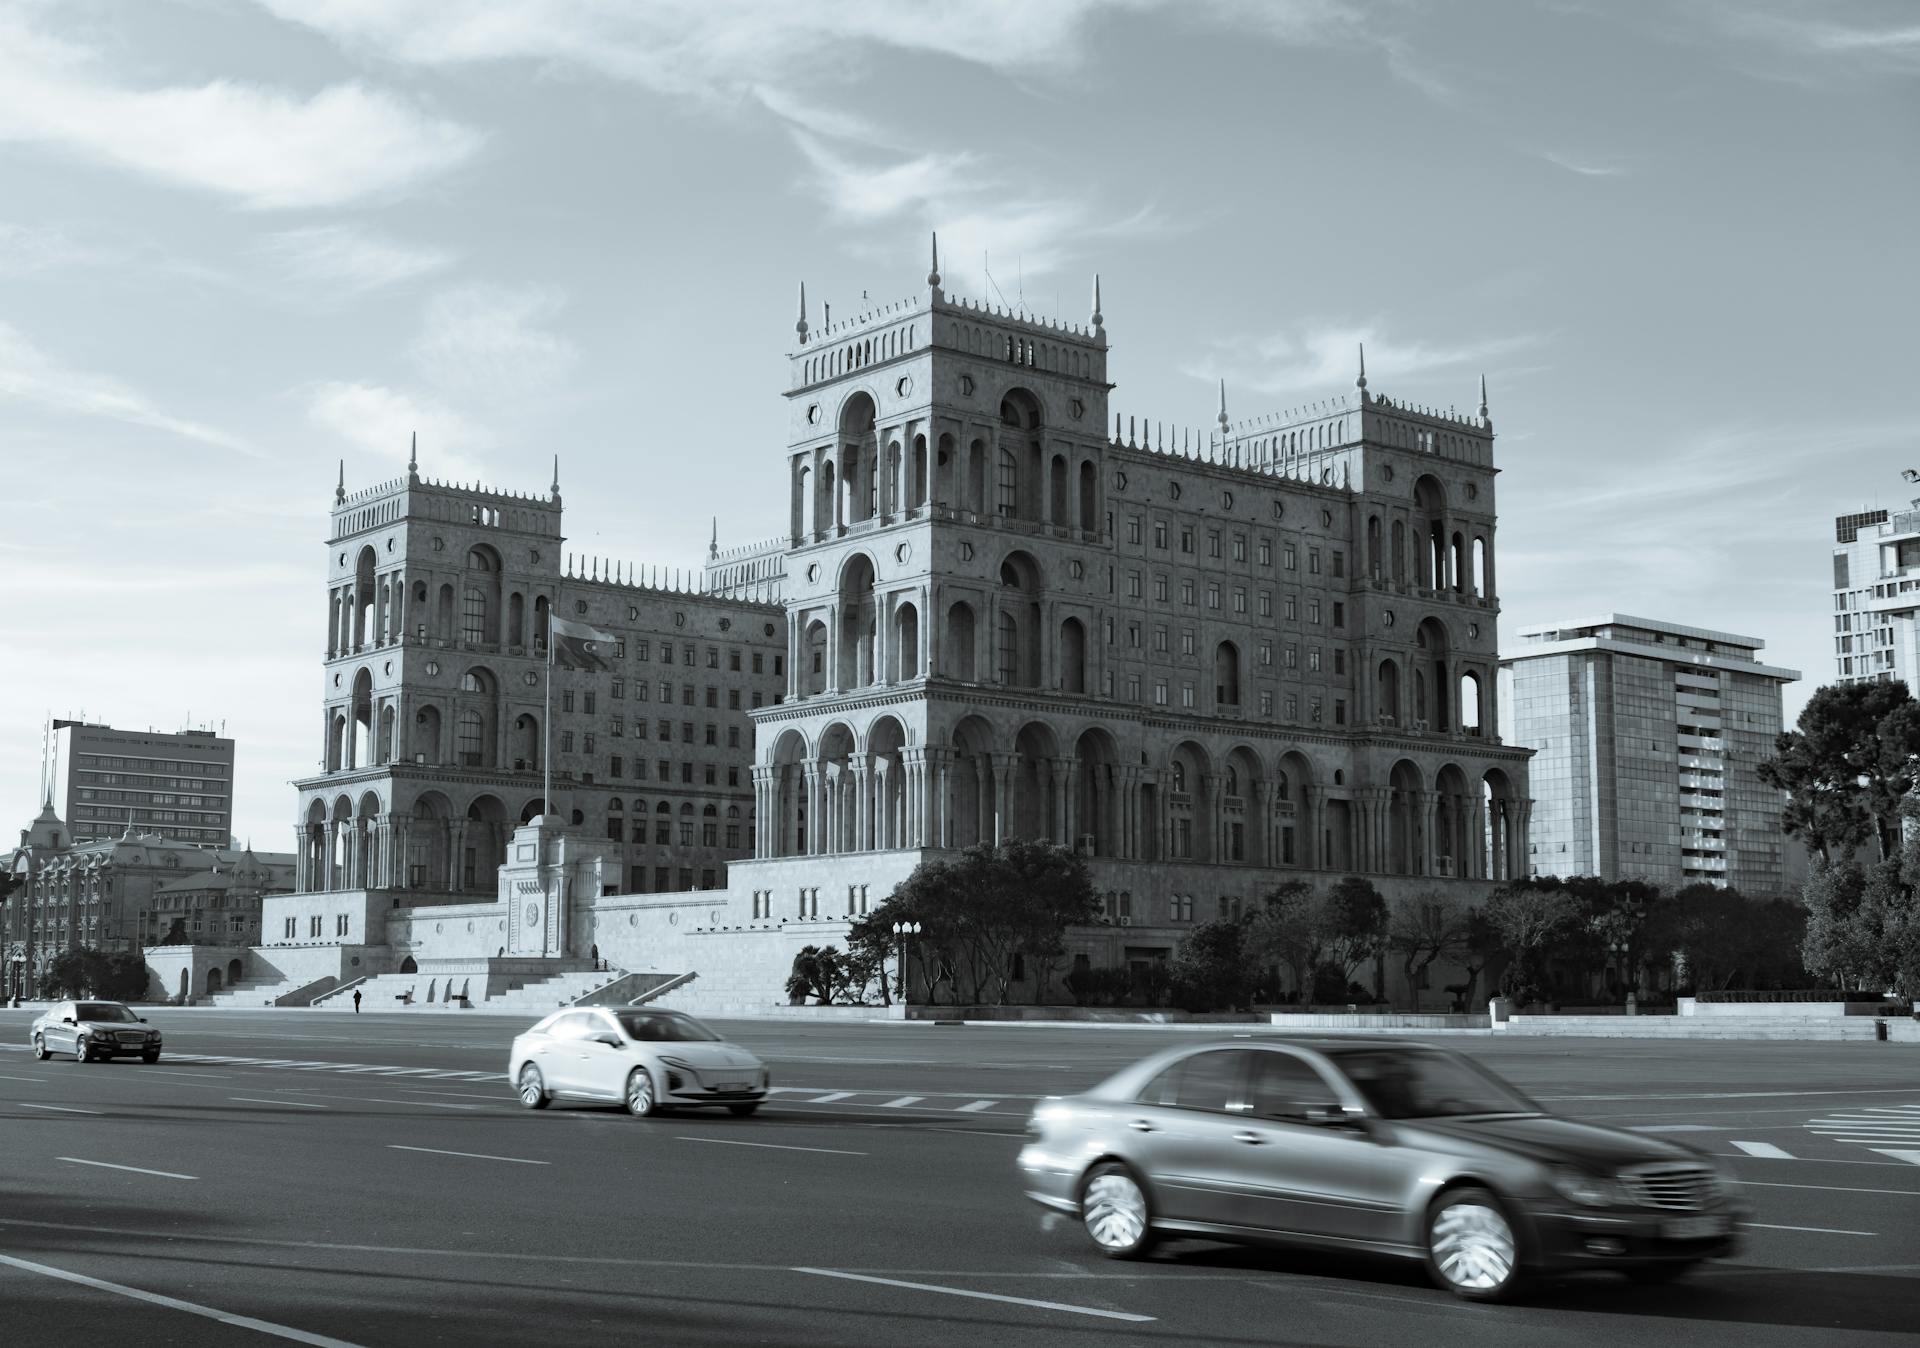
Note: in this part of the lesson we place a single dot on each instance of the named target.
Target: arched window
(1226, 674)
(473, 732)
(1009, 483)
(1007, 648)
(1179, 780)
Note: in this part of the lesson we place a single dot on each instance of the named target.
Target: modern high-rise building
(180, 784)
(1876, 596)
(1648, 738)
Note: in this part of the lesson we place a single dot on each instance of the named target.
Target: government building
(1207, 662)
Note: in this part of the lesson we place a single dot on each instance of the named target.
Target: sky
(242, 241)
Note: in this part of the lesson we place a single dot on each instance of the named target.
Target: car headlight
(1586, 1189)
(676, 1062)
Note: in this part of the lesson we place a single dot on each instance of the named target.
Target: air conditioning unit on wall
(1124, 921)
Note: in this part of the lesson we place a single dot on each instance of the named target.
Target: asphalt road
(325, 1178)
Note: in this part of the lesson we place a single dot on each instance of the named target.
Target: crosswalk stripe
(1766, 1150)
(830, 1097)
(977, 1106)
(902, 1102)
(1900, 1155)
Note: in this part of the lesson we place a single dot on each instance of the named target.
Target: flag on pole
(578, 646)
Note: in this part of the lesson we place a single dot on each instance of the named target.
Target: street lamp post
(901, 931)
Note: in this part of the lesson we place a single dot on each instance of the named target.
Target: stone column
(302, 861)
(1060, 782)
(1518, 866)
(1307, 827)
(867, 778)
(814, 804)
(1003, 766)
(457, 856)
(1130, 811)
(1429, 803)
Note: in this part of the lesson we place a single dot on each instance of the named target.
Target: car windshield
(1426, 1084)
(104, 1011)
(664, 1027)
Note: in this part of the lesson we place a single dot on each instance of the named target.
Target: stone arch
(360, 743)
(1386, 692)
(812, 676)
(314, 848)
(1089, 496)
(234, 971)
(1094, 807)
(973, 787)
(1432, 688)
(480, 597)
(213, 980)
(524, 744)
(1293, 786)
(906, 641)
(834, 757)
(1452, 809)
(429, 842)
(958, 648)
(858, 617)
(1503, 830)
(859, 457)
(363, 589)
(1471, 705)
(1035, 808)
(1057, 488)
(1404, 824)
(1190, 806)
(484, 843)
(1073, 656)
(1430, 531)
(409, 965)
(1016, 636)
(886, 784)
(1243, 809)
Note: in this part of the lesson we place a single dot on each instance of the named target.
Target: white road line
(138, 1170)
(1818, 1230)
(977, 1106)
(980, 1296)
(770, 1146)
(1828, 1188)
(1899, 1155)
(429, 1104)
(1676, 1128)
(175, 1072)
(473, 1155)
(7, 1078)
(60, 1109)
(255, 1100)
(174, 1304)
(903, 1102)
(1738, 1095)
(829, 1099)
(1764, 1149)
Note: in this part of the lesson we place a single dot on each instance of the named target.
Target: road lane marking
(1738, 1095)
(980, 1296)
(61, 1109)
(138, 1170)
(1763, 1149)
(1826, 1188)
(829, 1099)
(255, 1100)
(175, 1072)
(1818, 1230)
(770, 1146)
(8, 1078)
(473, 1155)
(903, 1102)
(1899, 1155)
(424, 1104)
(1676, 1128)
(977, 1106)
(175, 1304)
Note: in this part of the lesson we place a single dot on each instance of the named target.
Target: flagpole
(546, 729)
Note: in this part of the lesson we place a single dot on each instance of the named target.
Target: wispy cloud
(1586, 168)
(335, 257)
(384, 421)
(487, 343)
(1323, 358)
(26, 250)
(263, 147)
(31, 376)
(1898, 46)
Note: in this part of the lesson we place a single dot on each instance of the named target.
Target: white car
(645, 1060)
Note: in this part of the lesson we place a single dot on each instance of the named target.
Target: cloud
(385, 420)
(262, 147)
(1899, 46)
(1585, 168)
(29, 375)
(29, 249)
(1324, 359)
(485, 342)
(335, 257)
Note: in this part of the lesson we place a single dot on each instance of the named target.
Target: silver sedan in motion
(1393, 1148)
(640, 1058)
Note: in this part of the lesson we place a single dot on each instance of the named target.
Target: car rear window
(1213, 1081)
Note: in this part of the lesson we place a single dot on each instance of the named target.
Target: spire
(1361, 382)
(801, 326)
(1223, 407)
(1483, 397)
(1099, 319)
(340, 488)
(556, 475)
(413, 456)
(933, 272)
(713, 543)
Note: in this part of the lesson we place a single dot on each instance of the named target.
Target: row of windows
(663, 833)
(149, 766)
(663, 732)
(1290, 604)
(588, 702)
(689, 656)
(1237, 546)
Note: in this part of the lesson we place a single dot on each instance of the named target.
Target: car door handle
(1141, 1126)
(1251, 1139)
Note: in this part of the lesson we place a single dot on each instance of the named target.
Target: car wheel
(152, 1057)
(532, 1088)
(744, 1111)
(40, 1049)
(83, 1053)
(1115, 1213)
(1659, 1275)
(1472, 1249)
(640, 1101)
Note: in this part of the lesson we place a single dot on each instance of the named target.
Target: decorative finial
(556, 475)
(413, 456)
(713, 543)
(933, 272)
(1483, 397)
(340, 488)
(801, 326)
(1223, 406)
(1099, 320)
(1361, 382)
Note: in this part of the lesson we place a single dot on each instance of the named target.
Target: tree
(981, 911)
(1432, 926)
(1356, 918)
(1213, 968)
(1847, 767)
(1719, 938)
(1290, 928)
(817, 974)
(1528, 915)
(1480, 947)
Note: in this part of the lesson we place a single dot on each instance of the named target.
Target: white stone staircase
(250, 992)
(551, 993)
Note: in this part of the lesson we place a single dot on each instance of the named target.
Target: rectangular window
(587, 703)
(1133, 635)
(662, 877)
(1339, 564)
(566, 700)
(1293, 707)
(618, 689)
(733, 699)
(665, 730)
(686, 655)
(640, 651)
(663, 769)
(686, 695)
(1265, 554)
(1266, 652)
(1292, 609)
(1339, 614)
(1133, 687)
(733, 835)
(686, 732)
(1339, 711)
(733, 737)
(588, 741)
(1313, 561)
(1339, 661)
(1239, 547)
(1313, 659)
(1293, 656)
(1186, 642)
(713, 734)
(1266, 604)
(1213, 542)
(713, 696)
(1292, 558)
(733, 660)
(1266, 701)
(1133, 584)
(1186, 538)
(566, 741)
(1160, 693)
(759, 662)
(1239, 600)
(1186, 593)
(1133, 528)
(616, 766)
(1213, 596)
(1159, 535)
(666, 652)
(1313, 612)
(1160, 589)
(1159, 637)
(1186, 695)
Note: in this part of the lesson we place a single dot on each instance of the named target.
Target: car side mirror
(141, 1019)
(610, 1040)
(1335, 1116)
(66, 1020)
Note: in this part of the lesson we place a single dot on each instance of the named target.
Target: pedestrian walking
(356, 1001)
(596, 957)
